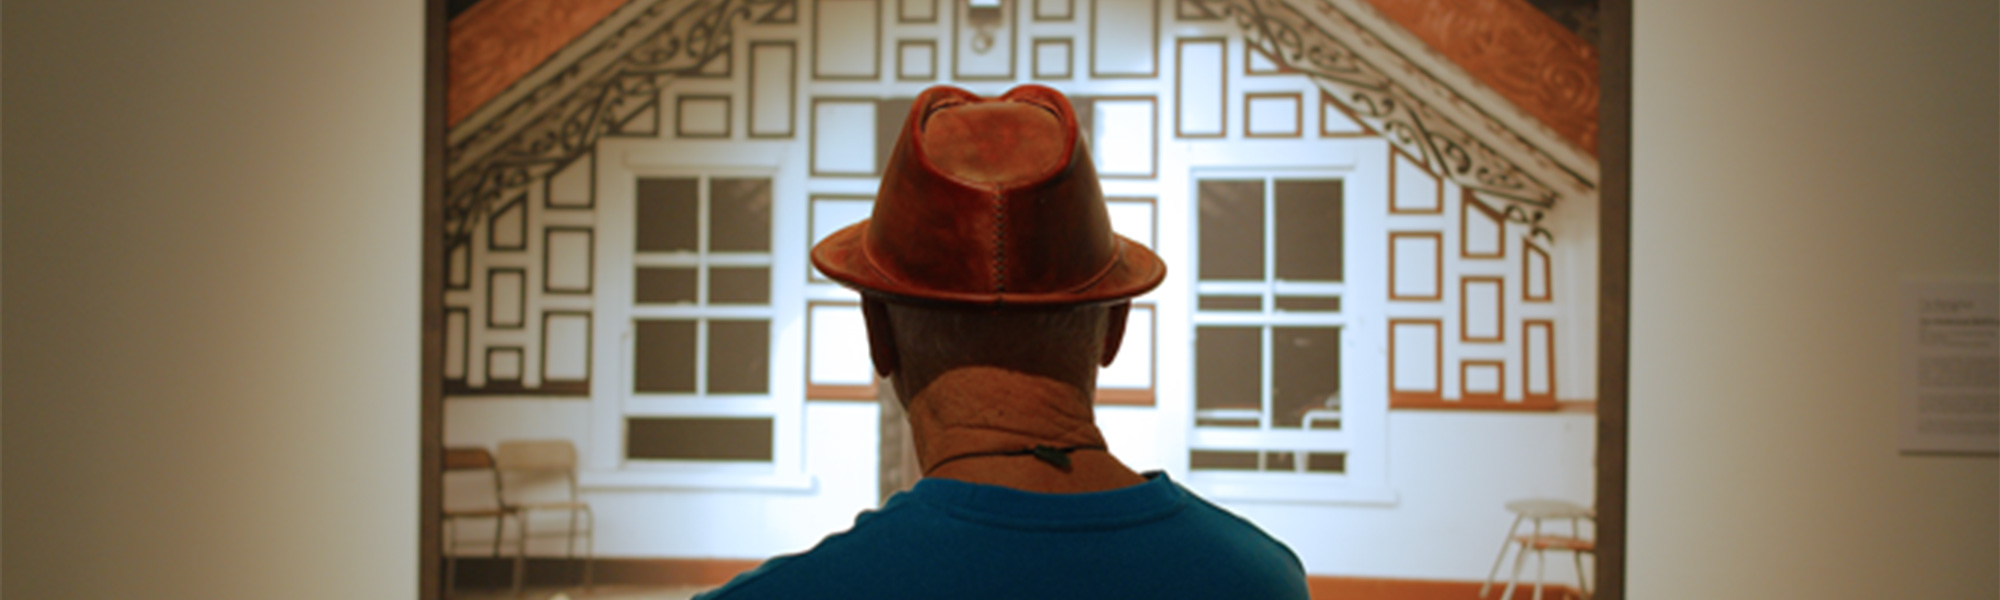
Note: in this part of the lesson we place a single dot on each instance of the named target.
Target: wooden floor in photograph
(629, 579)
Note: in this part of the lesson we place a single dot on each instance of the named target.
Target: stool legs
(1497, 560)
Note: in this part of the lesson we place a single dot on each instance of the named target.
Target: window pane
(1280, 461)
(698, 438)
(664, 285)
(1250, 303)
(1212, 459)
(663, 357)
(668, 215)
(1308, 223)
(747, 285)
(739, 357)
(1326, 462)
(1305, 374)
(1232, 229)
(1309, 303)
(1226, 374)
(739, 215)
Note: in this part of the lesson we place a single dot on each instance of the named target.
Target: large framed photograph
(1392, 333)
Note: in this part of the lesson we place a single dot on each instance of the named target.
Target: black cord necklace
(1057, 457)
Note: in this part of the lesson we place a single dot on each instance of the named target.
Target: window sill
(628, 480)
(1286, 488)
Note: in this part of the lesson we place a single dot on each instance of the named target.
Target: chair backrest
(538, 470)
(471, 481)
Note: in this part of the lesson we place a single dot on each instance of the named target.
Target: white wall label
(1951, 368)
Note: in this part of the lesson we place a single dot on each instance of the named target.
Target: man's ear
(1114, 331)
(881, 337)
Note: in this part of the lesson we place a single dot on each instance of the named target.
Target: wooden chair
(483, 504)
(540, 476)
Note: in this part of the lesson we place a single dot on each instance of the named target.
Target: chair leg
(589, 547)
(1541, 570)
(521, 553)
(450, 560)
(1520, 558)
(1582, 586)
(1505, 543)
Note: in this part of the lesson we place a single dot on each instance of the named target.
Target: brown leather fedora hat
(990, 201)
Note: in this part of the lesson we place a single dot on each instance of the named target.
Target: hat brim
(842, 256)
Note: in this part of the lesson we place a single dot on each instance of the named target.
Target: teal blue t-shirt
(966, 541)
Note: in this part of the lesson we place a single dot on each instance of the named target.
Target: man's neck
(971, 424)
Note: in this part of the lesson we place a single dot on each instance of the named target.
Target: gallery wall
(188, 185)
(1794, 163)
(212, 214)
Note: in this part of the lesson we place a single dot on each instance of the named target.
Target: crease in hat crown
(990, 201)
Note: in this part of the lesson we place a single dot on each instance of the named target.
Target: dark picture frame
(1614, 277)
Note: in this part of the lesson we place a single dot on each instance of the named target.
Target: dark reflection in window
(1309, 303)
(1308, 224)
(705, 438)
(739, 285)
(1226, 369)
(663, 357)
(1249, 303)
(1216, 459)
(1232, 229)
(669, 285)
(1305, 373)
(739, 357)
(669, 215)
(739, 215)
(1326, 462)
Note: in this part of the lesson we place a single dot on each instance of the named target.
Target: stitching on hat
(999, 243)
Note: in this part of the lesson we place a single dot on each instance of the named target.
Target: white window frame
(612, 398)
(1364, 398)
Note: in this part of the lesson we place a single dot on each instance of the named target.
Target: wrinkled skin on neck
(995, 382)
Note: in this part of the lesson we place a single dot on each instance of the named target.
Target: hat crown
(989, 201)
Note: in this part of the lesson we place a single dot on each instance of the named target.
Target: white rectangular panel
(916, 11)
(1481, 378)
(569, 260)
(1416, 189)
(1052, 59)
(1483, 312)
(507, 227)
(846, 44)
(455, 324)
(771, 73)
(1413, 271)
(1123, 136)
(702, 116)
(1480, 231)
(916, 60)
(1414, 366)
(1536, 271)
(839, 349)
(1537, 358)
(1124, 38)
(1133, 368)
(843, 137)
(1199, 88)
(566, 347)
(1274, 115)
(569, 185)
(1132, 219)
(505, 291)
(503, 364)
(1333, 121)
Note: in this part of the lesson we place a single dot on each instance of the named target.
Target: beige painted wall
(212, 214)
(181, 193)
(1794, 163)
